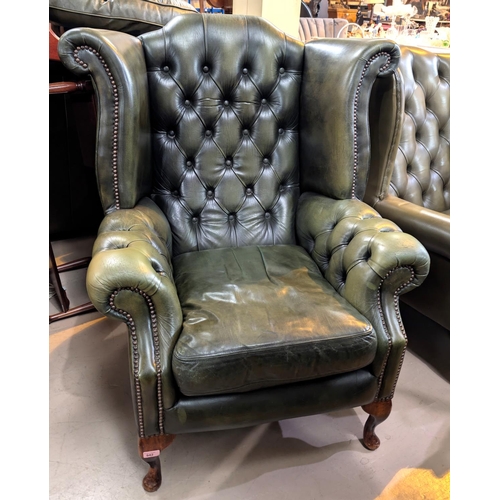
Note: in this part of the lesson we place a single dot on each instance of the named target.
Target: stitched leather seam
(276, 383)
(135, 353)
(237, 353)
(120, 18)
(114, 88)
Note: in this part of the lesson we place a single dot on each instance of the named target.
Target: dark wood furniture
(55, 279)
(337, 11)
(54, 269)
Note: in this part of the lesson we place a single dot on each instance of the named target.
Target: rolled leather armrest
(431, 228)
(130, 278)
(370, 262)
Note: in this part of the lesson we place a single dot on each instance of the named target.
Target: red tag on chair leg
(151, 454)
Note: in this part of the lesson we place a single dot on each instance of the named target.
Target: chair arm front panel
(130, 278)
(370, 262)
(431, 228)
(334, 113)
(116, 65)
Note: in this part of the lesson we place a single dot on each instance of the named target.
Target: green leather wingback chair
(409, 182)
(256, 286)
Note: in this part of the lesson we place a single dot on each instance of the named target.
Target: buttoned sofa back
(409, 178)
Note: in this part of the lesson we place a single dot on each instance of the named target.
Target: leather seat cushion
(261, 316)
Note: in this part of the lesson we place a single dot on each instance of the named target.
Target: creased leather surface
(226, 411)
(225, 130)
(262, 316)
(129, 16)
(370, 262)
(422, 167)
(334, 119)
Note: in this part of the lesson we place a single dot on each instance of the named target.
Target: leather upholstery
(198, 224)
(305, 329)
(130, 16)
(410, 179)
(228, 411)
(234, 112)
(421, 172)
(320, 27)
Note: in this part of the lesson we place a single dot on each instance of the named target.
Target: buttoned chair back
(225, 128)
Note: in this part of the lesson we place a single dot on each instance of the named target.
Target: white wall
(284, 14)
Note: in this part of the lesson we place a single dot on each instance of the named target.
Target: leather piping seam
(236, 353)
(156, 347)
(397, 293)
(114, 87)
(120, 18)
(355, 120)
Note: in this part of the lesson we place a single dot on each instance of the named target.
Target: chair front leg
(149, 450)
(378, 411)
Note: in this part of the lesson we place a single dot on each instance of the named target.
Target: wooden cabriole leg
(149, 450)
(378, 411)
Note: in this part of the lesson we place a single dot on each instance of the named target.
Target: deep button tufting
(245, 132)
(264, 101)
(208, 133)
(408, 168)
(166, 69)
(245, 71)
(249, 190)
(171, 133)
(210, 193)
(195, 219)
(187, 102)
(282, 188)
(280, 131)
(226, 103)
(267, 215)
(189, 164)
(175, 193)
(265, 161)
(282, 70)
(205, 69)
(231, 217)
(229, 162)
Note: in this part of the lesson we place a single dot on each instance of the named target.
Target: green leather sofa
(129, 16)
(255, 284)
(409, 181)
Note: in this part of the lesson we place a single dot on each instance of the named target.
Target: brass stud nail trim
(397, 293)
(356, 104)
(114, 88)
(135, 353)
